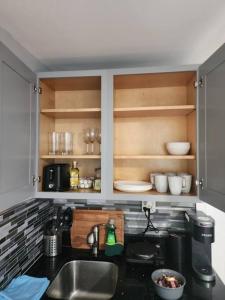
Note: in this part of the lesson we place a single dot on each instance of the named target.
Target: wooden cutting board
(84, 220)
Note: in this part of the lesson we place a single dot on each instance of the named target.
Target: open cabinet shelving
(70, 104)
(150, 110)
(137, 113)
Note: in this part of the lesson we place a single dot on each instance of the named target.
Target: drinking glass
(98, 139)
(53, 143)
(87, 139)
(92, 138)
(67, 143)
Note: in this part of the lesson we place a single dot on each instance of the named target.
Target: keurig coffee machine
(201, 235)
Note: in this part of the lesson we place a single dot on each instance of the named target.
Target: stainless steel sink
(84, 280)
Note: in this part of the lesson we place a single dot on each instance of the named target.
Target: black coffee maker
(201, 235)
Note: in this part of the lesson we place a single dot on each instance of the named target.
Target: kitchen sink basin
(84, 280)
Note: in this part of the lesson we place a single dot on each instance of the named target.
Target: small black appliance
(56, 178)
(201, 235)
(146, 250)
(176, 251)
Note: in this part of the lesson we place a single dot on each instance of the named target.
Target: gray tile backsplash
(169, 215)
(21, 236)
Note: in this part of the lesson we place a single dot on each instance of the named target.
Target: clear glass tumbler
(67, 143)
(53, 143)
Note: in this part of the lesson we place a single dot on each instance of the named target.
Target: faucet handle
(90, 238)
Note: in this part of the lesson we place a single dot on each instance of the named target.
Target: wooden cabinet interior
(149, 111)
(70, 104)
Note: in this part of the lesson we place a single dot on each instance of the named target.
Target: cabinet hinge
(36, 179)
(198, 83)
(37, 90)
(200, 183)
(40, 90)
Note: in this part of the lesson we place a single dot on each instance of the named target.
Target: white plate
(132, 186)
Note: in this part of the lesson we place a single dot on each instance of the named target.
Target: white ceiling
(66, 34)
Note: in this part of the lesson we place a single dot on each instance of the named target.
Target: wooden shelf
(64, 157)
(173, 110)
(69, 113)
(184, 157)
(152, 192)
(83, 191)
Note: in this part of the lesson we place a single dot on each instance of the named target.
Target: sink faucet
(93, 240)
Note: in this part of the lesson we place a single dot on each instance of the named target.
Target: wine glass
(92, 139)
(87, 139)
(98, 139)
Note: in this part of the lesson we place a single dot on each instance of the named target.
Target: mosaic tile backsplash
(21, 237)
(168, 215)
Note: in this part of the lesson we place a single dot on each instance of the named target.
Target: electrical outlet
(149, 204)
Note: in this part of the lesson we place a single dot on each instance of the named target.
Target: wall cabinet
(137, 110)
(73, 103)
(138, 114)
(211, 130)
(17, 130)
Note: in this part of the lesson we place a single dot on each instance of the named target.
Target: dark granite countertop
(134, 282)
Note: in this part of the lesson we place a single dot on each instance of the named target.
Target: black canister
(177, 244)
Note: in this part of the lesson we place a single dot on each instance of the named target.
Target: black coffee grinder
(201, 235)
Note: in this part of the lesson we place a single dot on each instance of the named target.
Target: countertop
(134, 282)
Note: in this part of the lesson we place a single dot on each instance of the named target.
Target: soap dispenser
(111, 233)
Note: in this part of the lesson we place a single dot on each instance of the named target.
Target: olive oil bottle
(74, 176)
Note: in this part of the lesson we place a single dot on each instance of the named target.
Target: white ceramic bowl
(178, 148)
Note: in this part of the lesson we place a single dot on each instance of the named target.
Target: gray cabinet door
(17, 130)
(212, 130)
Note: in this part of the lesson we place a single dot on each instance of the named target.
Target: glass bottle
(74, 176)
